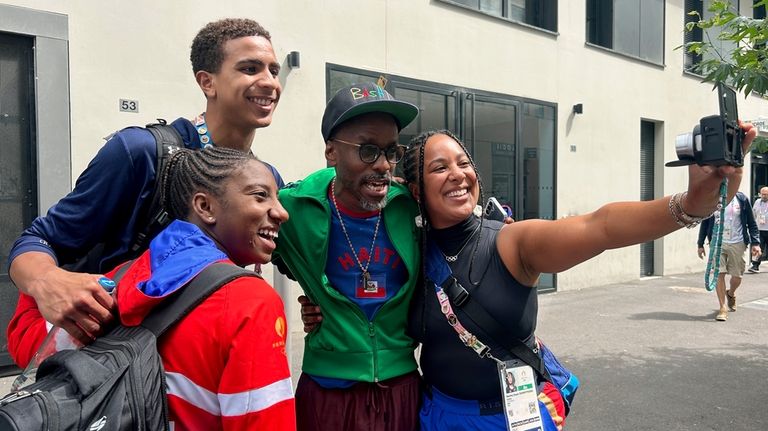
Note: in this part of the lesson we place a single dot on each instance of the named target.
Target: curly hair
(188, 172)
(208, 46)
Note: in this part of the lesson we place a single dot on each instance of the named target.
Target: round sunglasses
(369, 153)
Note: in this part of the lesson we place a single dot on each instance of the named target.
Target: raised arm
(531, 247)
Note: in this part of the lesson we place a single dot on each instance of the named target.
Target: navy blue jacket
(106, 202)
(749, 226)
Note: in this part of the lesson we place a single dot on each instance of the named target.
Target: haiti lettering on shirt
(388, 273)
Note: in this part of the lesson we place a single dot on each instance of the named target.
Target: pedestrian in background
(739, 231)
(760, 210)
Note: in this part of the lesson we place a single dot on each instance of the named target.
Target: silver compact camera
(716, 140)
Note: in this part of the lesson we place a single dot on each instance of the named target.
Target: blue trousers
(439, 412)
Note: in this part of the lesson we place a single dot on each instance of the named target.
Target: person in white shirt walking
(739, 232)
(760, 210)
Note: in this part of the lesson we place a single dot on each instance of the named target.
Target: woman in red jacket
(225, 362)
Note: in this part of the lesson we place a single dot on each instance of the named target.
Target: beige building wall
(139, 50)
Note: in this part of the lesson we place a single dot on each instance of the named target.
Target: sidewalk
(651, 356)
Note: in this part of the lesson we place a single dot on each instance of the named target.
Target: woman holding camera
(496, 266)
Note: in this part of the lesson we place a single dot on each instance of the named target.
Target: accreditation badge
(518, 392)
(727, 231)
(370, 287)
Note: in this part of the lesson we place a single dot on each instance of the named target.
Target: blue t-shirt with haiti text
(388, 273)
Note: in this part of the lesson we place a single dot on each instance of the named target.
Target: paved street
(650, 355)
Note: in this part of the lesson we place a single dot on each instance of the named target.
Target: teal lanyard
(202, 130)
(715, 245)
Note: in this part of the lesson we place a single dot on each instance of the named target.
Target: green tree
(745, 68)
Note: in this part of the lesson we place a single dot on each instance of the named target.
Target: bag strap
(459, 297)
(167, 140)
(118, 275)
(187, 298)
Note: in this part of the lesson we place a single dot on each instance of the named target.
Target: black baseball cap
(358, 99)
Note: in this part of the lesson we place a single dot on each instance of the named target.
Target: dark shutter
(691, 60)
(647, 156)
(18, 185)
(600, 22)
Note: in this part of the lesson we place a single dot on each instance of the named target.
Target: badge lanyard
(202, 130)
(762, 212)
(716, 243)
(466, 337)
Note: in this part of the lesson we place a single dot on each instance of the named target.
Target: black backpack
(152, 218)
(117, 382)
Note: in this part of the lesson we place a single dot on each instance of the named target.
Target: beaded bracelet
(681, 217)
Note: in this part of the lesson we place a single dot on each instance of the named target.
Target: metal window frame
(505, 15)
(588, 43)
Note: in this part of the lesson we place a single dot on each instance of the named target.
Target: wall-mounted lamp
(294, 59)
(578, 108)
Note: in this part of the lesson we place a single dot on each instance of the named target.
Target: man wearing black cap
(350, 243)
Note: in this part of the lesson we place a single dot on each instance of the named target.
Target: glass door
(491, 134)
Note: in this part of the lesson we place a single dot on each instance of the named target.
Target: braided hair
(188, 172)
(413, 171)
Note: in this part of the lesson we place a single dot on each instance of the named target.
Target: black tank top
(446, 362)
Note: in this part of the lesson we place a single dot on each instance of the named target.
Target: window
(759, 11)
(631, 27)
(699, 35)
(537, 13)
(512, 140)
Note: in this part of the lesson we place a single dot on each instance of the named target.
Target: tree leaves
(745, 67)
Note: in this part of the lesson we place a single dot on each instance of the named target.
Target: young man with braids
(351, 245)
(236, 68)
(224, 362)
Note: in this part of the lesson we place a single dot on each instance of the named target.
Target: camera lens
(684, 146)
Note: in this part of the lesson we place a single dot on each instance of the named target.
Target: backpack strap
(167, 140)
(187, 298)
(118, 275)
